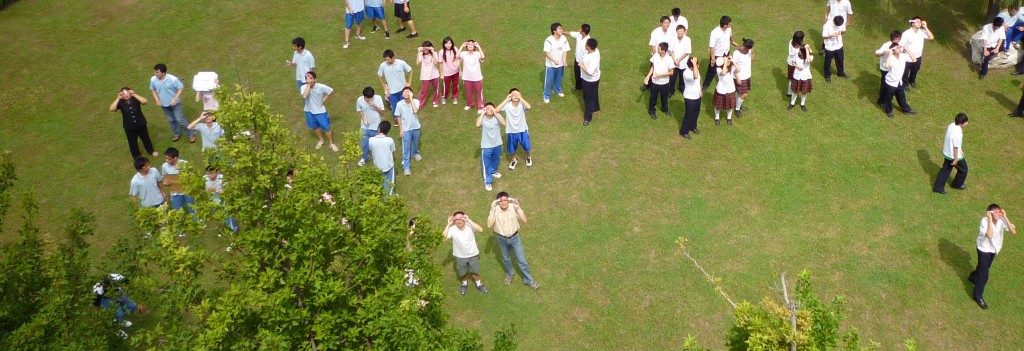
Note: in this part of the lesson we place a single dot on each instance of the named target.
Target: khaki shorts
(467, 265)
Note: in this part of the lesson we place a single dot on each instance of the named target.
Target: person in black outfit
(989, 242)
(1019, 111)
(133, 121)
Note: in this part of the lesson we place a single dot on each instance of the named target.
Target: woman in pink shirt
(472, 55)
(429, 74)
(450, 70)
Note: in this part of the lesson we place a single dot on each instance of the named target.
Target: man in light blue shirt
(375, 13)
(369, 107)
(315, 94)
(392, 75)
(490, 123)
(409, 127)
(382, 148)
(1013, 20)
(167, 91)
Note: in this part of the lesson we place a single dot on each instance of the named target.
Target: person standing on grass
(660, 34)
(450, 70)
(556, 51)
(992, 36)
(490, 123)
(302, 60)
(209, 130)
(354, 16)
(430, 75)
(913, 39)
(408, 121)
(841, 8)
(832, 36)
(795, 45)
(725, 91)
(133, 121)
(504, 217)
(677, 20)
(989, 243)
(882, 53)
(146, 189)
(215, 185)
(719, 45)
(170, 168)
(801, 84)
(590, 68)
(680, 48)
(405, 16)
(392, 76)
(167, 89)
(743, 58)
(691, 97)
(581, 50)
(518, 132)
(315, 95)
(471, 55)
(1019, 111)
(375, 12)
(953, 156)
(896, 60)
(382, 148)
(662, 67)
(369, 106)
(461, 230)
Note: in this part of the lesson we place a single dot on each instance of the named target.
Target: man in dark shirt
(133, 121)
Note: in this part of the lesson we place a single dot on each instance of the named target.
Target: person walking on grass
(725, 91)
(691, 97)
(913, 39)
(801, 84)
(354, 10)
(590, 68)
(450, 69)
(145, 188)
(134, 121)
(315, 95)
(472, 55)
(556, 51)
(167, 89)
(369, 107)
(375, 12)
(462, 232)
(405, 16)
(990, 241)
(832, 37)
(505, 217)
(518, 132)
(953, 156)
(882, 53)
(719, 44)
(896, 61)
(394, 75)
(662, 67)
(408, 121)
(302, 60)
(743, 58)
(382, 148)
(490, 123)
(581, 49)
(430, 75)
(209, 130)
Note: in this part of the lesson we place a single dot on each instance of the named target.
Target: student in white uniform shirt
(896, 60)
(989, 243)
(794, 50)
(516, 130)
(992, 36)
(832, 36)
(657, 78)
(725, 91)
(801, 84)
(382, 149)
(590, 67)
(556, 51)
(680, 48)
(743, 58)
(691, 97)
(677, 20)
(838, 8)
(953, 156)
(718, 45)
(913, 39)
(662, 34)
(581, 49)
(894, 38)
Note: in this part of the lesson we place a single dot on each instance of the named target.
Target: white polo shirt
(897, 65)
(726, 82)
(840, 8)
(996, 243)
(954, 138)
(581, 44)
(881, 59)
(593, 62)
(992, 37)
(680, 48)
(720, 41)
(382, 148)
(661, 66)
(832, 44)
(675, 22)
(743, 64)
(914, 41)
(659, 36)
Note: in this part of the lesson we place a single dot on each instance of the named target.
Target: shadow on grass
(868, 85)
(930, 168)
(781, 81)
(1002, 100)
(959, 261)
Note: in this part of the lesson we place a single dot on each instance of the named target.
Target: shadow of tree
(952, 22)
(959, 261)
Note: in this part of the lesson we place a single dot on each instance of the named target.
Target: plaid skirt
(743, 87)
(801, 86)
(724, 101)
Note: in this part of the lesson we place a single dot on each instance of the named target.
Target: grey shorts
(467, 265)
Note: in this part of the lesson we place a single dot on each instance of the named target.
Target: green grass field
(840, 190)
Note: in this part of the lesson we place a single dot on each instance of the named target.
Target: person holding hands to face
(133, 121)
(471, 55)
(490, 123)
(989, 243)
(461, 230)
(430, 75)
(369, 106)
(407, 118)
(505, 216)
(518, 132)
(913, 39)
(315, 95)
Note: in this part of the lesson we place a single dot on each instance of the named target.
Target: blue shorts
(353, 17)
(318, 121)
(516, 139)
(300, 85)
(374, 12)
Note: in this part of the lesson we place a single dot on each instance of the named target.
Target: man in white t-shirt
(369, 106)
(302, 60)
(882, 54)
(556, 50)
(913, 39)
(581, 49)
(677, 20)
(896, 61)
(590, 68)
(408, 120)
(382, 149)
(394, 75)
(989, 243)
(662, 67)
(679, 46)
(461, 231)
(718, 45)
(992, 36)
(145, 188)
(953, 155)
(661, 34)
(832, 36)
(839, 8)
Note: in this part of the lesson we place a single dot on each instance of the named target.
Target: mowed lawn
(840, 190)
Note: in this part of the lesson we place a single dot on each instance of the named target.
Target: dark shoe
(482, 288)
(888, 114)
(718, 122)
(643, 88)
(1015, 114)
(791, 106)
(463, 289)
(730, 121)
(653, 115)
(387, 35)
(686, 136)
(982, 304)
(962, 187)
(981, 77)
(939, 192)
(400, 29)
(738, 113)
(803, 108)
(844, 76)
(828, 79)
(374, 29)
(696, 131)
(910, 112)
(743, 108)
(585, 123)
(668, 113)
(1016, 73)
(913, 85)
(413, 35)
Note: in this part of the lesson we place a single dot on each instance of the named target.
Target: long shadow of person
(1002, 100)
(868, 85)
(781, 81)
(959, 261)
(930, 168)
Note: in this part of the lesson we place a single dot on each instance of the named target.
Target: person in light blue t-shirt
(407, 118)
(354, 17)
(145, 189)
(167, 91)
(369, 107)
(392, 75)
(375, 12)
(490, 123)
(315, 95)
(382, 147)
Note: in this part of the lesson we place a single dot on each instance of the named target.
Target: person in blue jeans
(556, 49)
(369, 107)
(504, 217)
(490, 124)
(167, 89)
(406, 117)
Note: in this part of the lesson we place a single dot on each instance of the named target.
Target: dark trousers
(657, 90)
(881, 88)
(984, 62)
(1020, 105)
(838, 56)
(134, 134)
(888, 92)
(910, 74)
(676, 81)
(980, 275)
(591, 101)
(711, 73)
(947, 169)
(576, 73)
(690, 118)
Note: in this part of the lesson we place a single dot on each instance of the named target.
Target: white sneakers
(360, 37)
(488, 187)
(319, 144)
(334, 147)
(361, 163)
(345, 45)
(467, 108)
(417, 157)
(512, 165)
(529, 161)
(496, 175)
